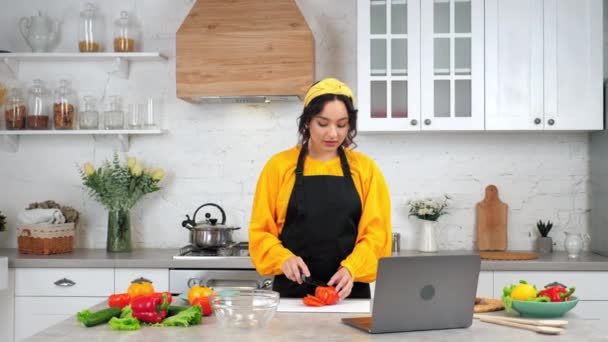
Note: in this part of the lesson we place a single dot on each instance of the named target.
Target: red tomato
(119, 300)
(312, 301)
(328, 294)
(204, 303)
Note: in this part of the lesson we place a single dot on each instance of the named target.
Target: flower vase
(119, 231)
(428, 241)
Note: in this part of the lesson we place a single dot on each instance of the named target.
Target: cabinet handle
(414, 122)
(194, 281)
(427, 121)
(537, 121)
(65, 282)
(550, 122)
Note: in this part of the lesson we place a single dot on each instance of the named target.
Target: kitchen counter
(163, 258)
(315, 326)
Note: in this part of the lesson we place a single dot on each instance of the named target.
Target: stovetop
(240, 249)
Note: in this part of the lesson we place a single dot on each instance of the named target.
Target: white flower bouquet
(429, 209)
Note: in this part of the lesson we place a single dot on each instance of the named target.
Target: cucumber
(175, 309)
(90, 319)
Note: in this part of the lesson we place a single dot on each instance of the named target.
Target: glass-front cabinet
(420, 65)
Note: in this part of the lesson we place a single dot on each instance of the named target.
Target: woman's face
(329, 128)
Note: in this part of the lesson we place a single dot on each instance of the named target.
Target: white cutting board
(347, 305)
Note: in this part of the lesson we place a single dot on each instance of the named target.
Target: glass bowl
(244, 308)
(544, 309)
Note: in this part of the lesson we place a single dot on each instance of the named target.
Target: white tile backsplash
(214, 153)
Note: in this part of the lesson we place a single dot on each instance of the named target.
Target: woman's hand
(293, 267)
(343, 281)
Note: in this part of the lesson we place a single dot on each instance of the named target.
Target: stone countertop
(315, 326)
(163, 258)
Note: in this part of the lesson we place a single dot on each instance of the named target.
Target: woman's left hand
(343, 281)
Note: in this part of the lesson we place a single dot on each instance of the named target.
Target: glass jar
(38, 106)
(114, 116)
(64, 106)
(89, 117)
(90, 30)
(127, 33)
(15, 110)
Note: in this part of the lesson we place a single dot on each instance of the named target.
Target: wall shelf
(119, 61)
(10, 138)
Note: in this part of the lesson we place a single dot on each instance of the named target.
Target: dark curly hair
(316, 106)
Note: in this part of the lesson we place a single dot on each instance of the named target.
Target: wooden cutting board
(491, 222)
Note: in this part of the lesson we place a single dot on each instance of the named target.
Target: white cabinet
(544, 68)
(485, 284)
(46, 296)
(125, 276)
(420, 65)
(7, 304)
(593, 299)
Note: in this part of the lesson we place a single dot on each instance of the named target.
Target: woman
(321, 209)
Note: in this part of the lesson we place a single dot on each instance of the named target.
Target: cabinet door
(158, 276)
(388, 59)
(485, 284)
(573, 65)
(514, 64)
(452, 65)
(34, 314)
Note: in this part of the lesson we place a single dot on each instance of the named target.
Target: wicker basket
(46, 238)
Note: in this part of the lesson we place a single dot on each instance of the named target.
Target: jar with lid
(90, 30)
(127, 33)
(15, 110)
(38, 105)
(89, 117)
(114, 116)
(64, 106)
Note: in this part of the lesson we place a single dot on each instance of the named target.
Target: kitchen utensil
(209, 234)
(558, 323)
(244, 308)
(539, 329)
(508, 255)
(543, 309)
(491, 222)
(312, 281)
(40, 32)
(346, 305)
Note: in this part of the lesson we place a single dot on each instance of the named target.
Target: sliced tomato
(312, 301)
(328, 294)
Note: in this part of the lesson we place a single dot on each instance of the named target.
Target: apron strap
(299, 186)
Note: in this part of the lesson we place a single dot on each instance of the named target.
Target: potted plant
(428, 210)
(2, 222)
(545, 242)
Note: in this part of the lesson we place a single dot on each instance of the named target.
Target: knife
(312, 281)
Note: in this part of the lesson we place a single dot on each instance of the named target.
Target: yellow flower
(158, 174)
(136, 170)
(88, 169)
(131, 161)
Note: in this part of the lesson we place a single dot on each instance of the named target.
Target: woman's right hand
(293, 267)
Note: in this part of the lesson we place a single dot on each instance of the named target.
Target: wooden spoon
(558, 323)
(539, 329)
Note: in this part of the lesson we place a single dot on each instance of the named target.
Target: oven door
(181, 280)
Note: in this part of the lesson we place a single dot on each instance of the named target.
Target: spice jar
(114, 116)
(89, 117)
(64, 106)
(90, 30)
(15, 110)
(127, 33)
(38, 106)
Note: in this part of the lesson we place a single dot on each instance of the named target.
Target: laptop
(422, 293)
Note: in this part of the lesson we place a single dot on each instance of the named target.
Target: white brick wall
(214, 153)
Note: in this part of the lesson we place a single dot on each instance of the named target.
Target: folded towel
(33, 216)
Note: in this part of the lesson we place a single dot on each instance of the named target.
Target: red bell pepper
(328, 294)
(557, 293)
(119, 300)
(150, 309)
(160, 294)
(311, 300)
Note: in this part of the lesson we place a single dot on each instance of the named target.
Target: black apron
(321, 226)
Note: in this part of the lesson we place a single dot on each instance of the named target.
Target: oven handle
(265, 284)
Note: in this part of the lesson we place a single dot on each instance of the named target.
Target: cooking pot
(209, 233)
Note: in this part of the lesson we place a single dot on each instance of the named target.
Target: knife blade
(312, 281)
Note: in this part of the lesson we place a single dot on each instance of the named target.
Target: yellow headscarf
(328, 86)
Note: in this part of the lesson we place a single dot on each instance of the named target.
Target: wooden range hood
(244, 51)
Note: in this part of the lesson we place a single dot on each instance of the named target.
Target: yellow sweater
(270, 208)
